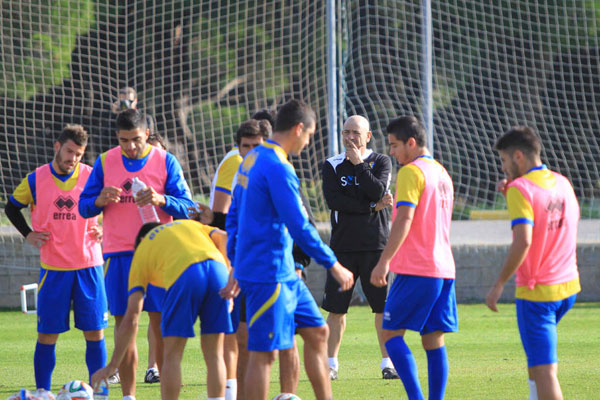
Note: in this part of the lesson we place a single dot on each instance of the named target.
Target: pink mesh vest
(122, 220)
(552, 256)
(71, 246)
(426, 250)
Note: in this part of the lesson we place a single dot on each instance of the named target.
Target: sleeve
(231, 225)
(374, 177)
(177, 192)
(225, 174)
(335, 199)
(284, 191)
(13, 212)
(91, 191)
(23, 195)
(410, 184)
(137, 276)
(519, 209)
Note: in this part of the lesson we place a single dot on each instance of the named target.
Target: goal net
(201, 68)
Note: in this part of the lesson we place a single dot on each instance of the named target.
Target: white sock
(386, 362)
(532, 390)
(129, 397)
(334, 363)
(231, 389)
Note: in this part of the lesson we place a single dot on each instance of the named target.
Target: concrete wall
(477, 268)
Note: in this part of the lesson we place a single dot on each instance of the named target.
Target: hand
(201, 213)
(232, 288)
(379, 274)
(96, 232)
(352, 152)
(491, 300)
(386, 201)
(299, 273)
(37, 239)
(102, 375)
(342, 276)
(149, 196)
(109, 194)
(501, 186)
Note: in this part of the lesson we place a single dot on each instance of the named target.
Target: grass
(486, 358)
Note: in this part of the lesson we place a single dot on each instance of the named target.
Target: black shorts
(360, 264)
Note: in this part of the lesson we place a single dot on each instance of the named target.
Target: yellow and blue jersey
(410, 183)
(223, 179)
(25, 193)
(519, 209)
(265, 215)
(168, 250)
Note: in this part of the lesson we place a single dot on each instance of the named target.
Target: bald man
(356, 188)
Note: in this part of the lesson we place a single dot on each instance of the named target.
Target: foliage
(37, 42)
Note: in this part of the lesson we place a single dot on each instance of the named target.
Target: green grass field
(486, 359)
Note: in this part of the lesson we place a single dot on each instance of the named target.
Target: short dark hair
(131, 119)
(73, 132)
(264, 114)
(520, 138)
(406, 127)
(154, 135)
(147, 227)
(253, 128)
(292, 113)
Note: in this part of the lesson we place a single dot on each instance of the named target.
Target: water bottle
(101, 391)
(147, 212)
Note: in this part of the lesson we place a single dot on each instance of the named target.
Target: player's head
(132, 133)
(250, 134)
(298, 120)
(147, 227)
(518, 148)
(69, 148)
(357, 130)
(264, 114)
(154, 138)
(406, 137)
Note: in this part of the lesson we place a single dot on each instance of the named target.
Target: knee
(316, 336)
(336, 319)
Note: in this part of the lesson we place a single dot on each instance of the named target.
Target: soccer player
(70, 254)
(269, 214)
(187, 259)
(355, 184)
(108, 190)
(422, 296)
(544, 213)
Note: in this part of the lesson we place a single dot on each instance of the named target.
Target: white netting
(496, 64)
(200, 68)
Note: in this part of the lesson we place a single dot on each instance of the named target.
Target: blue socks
(406, 367)
(44, 360)
(95, 356)
(437, 368)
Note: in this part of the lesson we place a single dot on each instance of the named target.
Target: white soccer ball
(286, 396)
(75, 390)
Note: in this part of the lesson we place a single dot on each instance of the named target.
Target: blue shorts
(537, 325)
(275, 310)
(154, 298)
(84, 288)
(196, 294)
(116, 279)
(421, 304)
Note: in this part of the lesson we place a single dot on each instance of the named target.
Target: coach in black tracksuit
(355, 185)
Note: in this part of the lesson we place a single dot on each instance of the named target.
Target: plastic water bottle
(147, 212)
(101, 391)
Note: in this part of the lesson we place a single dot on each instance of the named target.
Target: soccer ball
(286, 396)
(75, 390)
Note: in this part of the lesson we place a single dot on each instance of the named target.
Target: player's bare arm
(398, 233)
(109, 194)
(342, 276)
(519, 248)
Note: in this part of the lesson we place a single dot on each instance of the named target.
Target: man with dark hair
(127, 100)
(422, 297)
(268, 213)
(109, 191)
(188, 260)
(545, 214)
(70, 254)
(355, 184)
